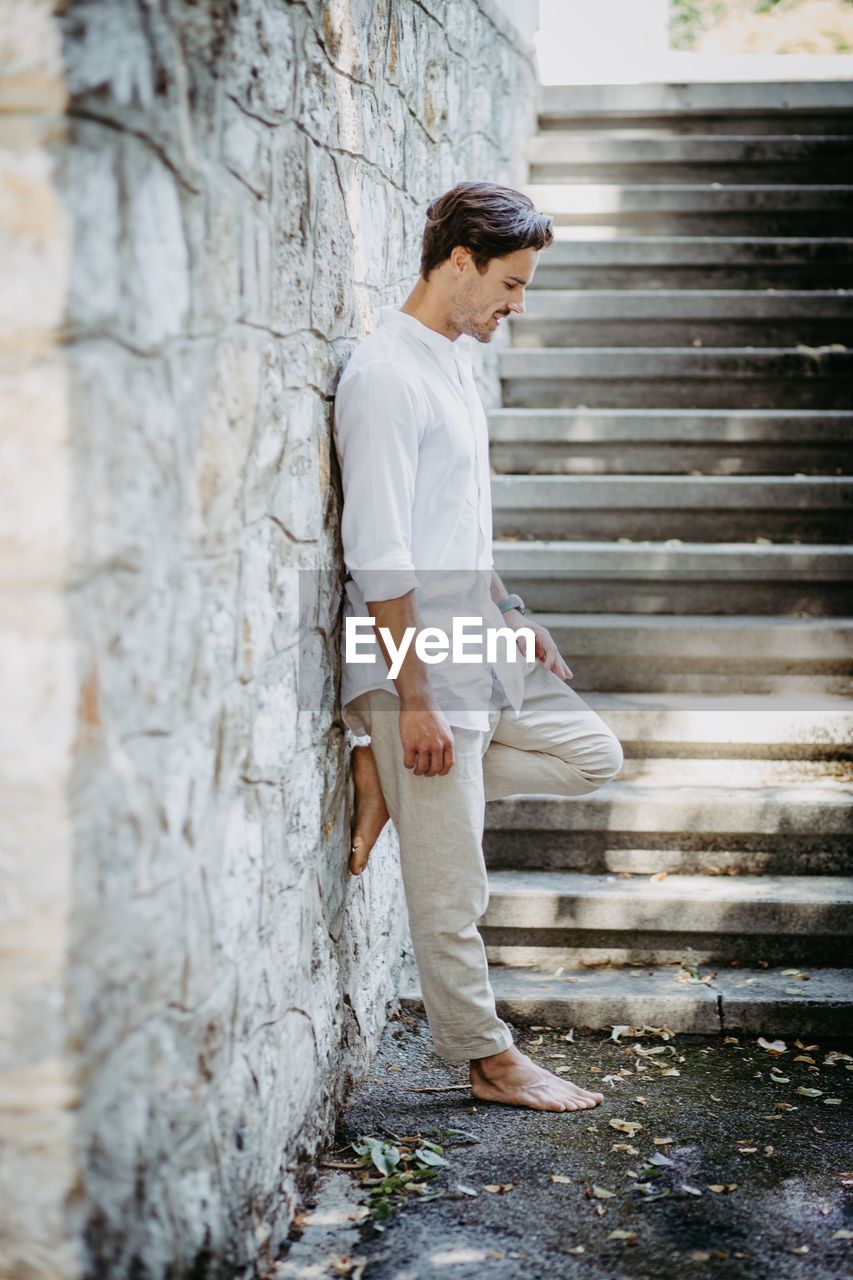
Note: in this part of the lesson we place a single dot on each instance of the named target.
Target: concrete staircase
(673, 499)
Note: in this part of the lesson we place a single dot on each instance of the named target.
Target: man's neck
(430, 310)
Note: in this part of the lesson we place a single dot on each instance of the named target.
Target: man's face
(482, 302)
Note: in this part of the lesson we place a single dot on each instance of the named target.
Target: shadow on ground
(709, 1105)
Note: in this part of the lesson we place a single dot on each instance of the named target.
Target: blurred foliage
(690, 20)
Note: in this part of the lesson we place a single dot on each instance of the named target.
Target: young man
(411, 436)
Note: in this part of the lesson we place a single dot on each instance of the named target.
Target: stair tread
(722, 999)
(649, 802)
(517, 885)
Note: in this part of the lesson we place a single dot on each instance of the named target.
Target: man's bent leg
(556, 745)
(439, 823)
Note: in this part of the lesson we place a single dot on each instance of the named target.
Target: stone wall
(203, 204)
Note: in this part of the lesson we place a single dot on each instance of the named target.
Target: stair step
(787, 209)
(595, 317)
(642, 826)
(813, 727)
(694, 654)
(735, 105)
(678, 578)
(677, 377)
(566, 917)
(699, 508)
(677, 441)
(733, 1000)
(695, 262)
(626, 155)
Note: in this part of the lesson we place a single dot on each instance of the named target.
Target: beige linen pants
(555, 745)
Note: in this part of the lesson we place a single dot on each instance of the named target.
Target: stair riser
(682, 332)
(760, 276)
(549, 950)
(596, 852)
(722, 222)
(694, 173)
(621, 458)
(722, 124)
(722, 392)
(585, 1008)
(631, 595)
(725, 524)
(631, 675)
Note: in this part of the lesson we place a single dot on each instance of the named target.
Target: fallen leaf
(779, 1079)
(747, 1151)
(663, 1142)
(626, 1126)
(803, 1248)
(618, 1234)
(773, 1046)
(559, 1177)
(723, 1186)
(691, 1191)
(809, 1093)
(832, 1102)
(600, 1210)
(843, 1234)
(625, 1146)
(601, 1193)
(499, 1188)
(577, 1248)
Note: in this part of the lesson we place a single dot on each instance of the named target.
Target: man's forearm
(499, 592)
(412, 682)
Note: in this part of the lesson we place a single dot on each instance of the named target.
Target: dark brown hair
(490, 220)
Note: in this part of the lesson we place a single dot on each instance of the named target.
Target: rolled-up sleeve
(378, 427)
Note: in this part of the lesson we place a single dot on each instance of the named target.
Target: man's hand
(426, 737)
(545, 645)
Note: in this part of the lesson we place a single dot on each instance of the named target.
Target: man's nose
(517, 307)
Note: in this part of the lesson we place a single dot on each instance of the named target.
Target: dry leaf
(843, 1234)
(832, 1102)
(625, 1146)
(663, 1142)
(499, 1188)
(723, 1186)
(559, 1177)
(623, 1235)
(809, 1093)
(774, 1046)
(626, 1126)
(601, 1193)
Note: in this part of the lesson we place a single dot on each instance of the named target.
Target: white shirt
(412, 441)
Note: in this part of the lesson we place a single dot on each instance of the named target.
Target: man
(411, 436)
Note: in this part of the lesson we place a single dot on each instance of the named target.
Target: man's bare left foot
(511, 1078)
(371, 813)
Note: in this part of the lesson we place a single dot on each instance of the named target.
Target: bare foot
(370, 811)
(511, 1078)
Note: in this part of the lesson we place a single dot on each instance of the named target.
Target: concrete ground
(707, 1104)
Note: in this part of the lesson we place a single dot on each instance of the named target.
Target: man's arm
(424, 732)
(377, 434)
(546, 646)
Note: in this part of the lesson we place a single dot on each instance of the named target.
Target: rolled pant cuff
(482, 1047)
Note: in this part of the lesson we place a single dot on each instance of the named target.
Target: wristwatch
(512, 602)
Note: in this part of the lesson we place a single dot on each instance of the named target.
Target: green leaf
(428, 1156)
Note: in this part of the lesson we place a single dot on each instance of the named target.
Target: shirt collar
(444, 348)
